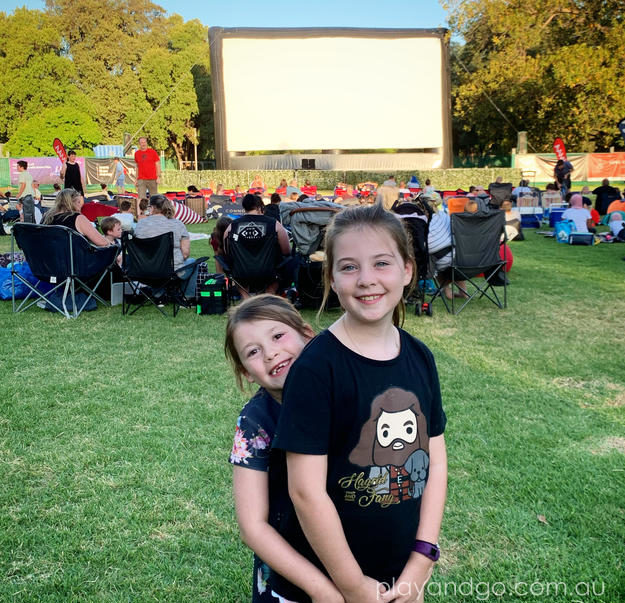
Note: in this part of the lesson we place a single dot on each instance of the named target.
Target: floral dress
(251, 449)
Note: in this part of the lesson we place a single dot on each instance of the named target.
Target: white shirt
(579, 215)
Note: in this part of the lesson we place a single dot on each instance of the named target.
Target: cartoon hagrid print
(394, 445)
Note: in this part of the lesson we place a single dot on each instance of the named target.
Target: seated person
(551, 196)
(250, 231)
(111, 228)
(616, 205)
(594, 214)
(106, 191)
(66, 212)
(617, 225)
(125, 216)
(521, 190)
(160, 221)
(258, 182)
(439, 248)
(579, 215)
(273, 210)
(144, 210)
(193, 192)
(217, 242)
(293, 188)
(605, 194)
(514, 232)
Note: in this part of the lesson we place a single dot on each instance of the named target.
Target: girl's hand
(368, 591)
(410, 586)
(327, 593)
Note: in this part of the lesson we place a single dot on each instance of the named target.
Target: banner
(559, 149)
(606, 165)
(101, 171)
(45, 170)
(59, 149)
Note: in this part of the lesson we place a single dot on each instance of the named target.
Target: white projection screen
(329, 88)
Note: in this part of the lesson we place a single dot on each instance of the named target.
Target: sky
(294, 13)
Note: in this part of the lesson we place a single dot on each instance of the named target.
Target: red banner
(559, 149)
(606, 165)
(59, 149)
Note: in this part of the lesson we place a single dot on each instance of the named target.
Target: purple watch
(431, 551)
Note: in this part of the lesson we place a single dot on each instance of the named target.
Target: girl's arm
(84, 227)
(322, 527)
(418, 569)
(251, 496)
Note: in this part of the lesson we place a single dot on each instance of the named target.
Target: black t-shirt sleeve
(305, 418)
(438, 419)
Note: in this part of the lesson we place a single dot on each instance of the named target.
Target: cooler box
(555, 215)
(212, 295)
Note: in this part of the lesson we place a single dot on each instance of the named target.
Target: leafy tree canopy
(553, 67)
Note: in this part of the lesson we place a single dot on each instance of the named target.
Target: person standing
(148, 169)
(562, 174)
(119, 176)
(25, 193)
(70, 172)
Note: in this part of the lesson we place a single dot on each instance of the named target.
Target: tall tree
(552, 67)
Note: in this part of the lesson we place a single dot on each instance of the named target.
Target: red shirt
(146, 164)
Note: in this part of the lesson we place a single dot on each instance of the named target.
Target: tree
(552, 67)
(34, 75)
(74, 127)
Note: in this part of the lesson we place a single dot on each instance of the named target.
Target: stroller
(306, 222)
(416, 215)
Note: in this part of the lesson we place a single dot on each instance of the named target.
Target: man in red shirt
(148, 169)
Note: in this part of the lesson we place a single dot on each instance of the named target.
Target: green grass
(115, 433)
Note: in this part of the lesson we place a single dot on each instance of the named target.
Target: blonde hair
(63, 204)
(260, 307)
(376, 218)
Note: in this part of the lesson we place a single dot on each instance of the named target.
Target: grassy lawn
(115, 433)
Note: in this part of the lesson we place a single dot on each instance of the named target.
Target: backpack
(563, 229)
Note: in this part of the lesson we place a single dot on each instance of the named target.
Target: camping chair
(475, 240)
(253, 257)
(499, 192)
(148, 269)
(65, 260)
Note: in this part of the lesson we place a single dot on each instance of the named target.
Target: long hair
(376, 218)
(163, 205)
(63, 204)
(218, 232)
(260, 307)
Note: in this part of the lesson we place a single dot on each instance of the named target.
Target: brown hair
(260, 307)
(108, 224)
(163, 205)
(218, 232)
(376, 218)
(125, 205)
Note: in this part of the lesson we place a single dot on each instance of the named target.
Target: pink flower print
(240, 452)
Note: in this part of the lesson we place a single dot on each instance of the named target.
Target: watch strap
(431, 551)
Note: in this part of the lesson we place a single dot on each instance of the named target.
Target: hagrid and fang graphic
(394, 445)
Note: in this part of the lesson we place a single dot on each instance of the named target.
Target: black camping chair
(499, 192)
(148, 271)
(64, 259)
(416, 215)
(253, 257)
(475, 240)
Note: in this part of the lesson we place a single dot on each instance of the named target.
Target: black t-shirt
(373, 419)
(251, 449)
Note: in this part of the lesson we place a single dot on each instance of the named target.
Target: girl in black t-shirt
(264, 336)
(362, 425)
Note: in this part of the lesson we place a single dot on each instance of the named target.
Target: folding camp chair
(475, 240)
(66, 261)
(499, 192)
(148, 271)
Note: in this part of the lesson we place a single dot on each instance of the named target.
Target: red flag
(59, 149)
(559, 149)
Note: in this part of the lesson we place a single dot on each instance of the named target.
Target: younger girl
(264, 336)
(362, 424)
